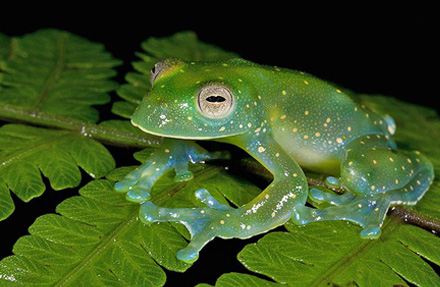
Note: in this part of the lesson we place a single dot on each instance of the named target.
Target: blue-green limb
(371, 191)
(271, 208)
(173, 154)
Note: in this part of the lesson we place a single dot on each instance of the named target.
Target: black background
(367, 53)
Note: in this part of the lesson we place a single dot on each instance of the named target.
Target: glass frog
(288, 121)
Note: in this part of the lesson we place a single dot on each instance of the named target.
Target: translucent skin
(287, 120)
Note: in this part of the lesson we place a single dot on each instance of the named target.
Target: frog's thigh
(371, 167)
(380, 177)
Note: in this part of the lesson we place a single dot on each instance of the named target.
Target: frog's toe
(138, 195)
(191, 253)
(332, 182)
(205, 197)
(188, 256)
(125, 185)
(321, 195)
(371, 232)
(302, 215)
(185, 175)
(149, 213)
(140, 192)
(318, 195)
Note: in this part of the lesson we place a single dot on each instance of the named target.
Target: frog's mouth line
(181, 137)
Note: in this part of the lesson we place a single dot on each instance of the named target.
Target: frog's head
(199, 100)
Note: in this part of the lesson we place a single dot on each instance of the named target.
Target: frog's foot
(367, 211)
(174, 154)
(203, 223)
(321, 195)
(137, 185)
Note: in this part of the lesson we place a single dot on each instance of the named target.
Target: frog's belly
(314, 155)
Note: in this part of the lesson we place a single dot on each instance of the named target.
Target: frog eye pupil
(215, 99)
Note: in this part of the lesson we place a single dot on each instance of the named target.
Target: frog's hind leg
(379, 177)
(367, 211)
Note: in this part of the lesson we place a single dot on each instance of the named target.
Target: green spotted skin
(288, 121)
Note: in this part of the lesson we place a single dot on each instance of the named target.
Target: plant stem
(111, 136)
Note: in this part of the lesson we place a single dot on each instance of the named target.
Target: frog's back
(313, 120)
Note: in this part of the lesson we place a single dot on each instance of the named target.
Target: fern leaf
(98, 240)
(4, 47)
(56, 73)
(183, 45)
(241, 280)
(329, 253)
(28, 152)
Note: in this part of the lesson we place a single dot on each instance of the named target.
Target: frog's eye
(155, 71)
(215, 101)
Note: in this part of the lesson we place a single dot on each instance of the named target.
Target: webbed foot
(366, 211)
(203, 223)
(174, 154)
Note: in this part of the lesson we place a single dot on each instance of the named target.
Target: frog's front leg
(271, 208)
(173, 154)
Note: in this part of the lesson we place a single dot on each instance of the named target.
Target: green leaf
(55, 73)
(52, 78)
(241, 280)
(183, 45)
(4, 47)
(94, 240)
(28, 152)
(333, 254)
(97, 237)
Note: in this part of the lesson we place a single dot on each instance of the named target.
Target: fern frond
(57, 73)
(27, 153)
(51, 78)
(98, 240)
(4, 47)
(331, 253)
